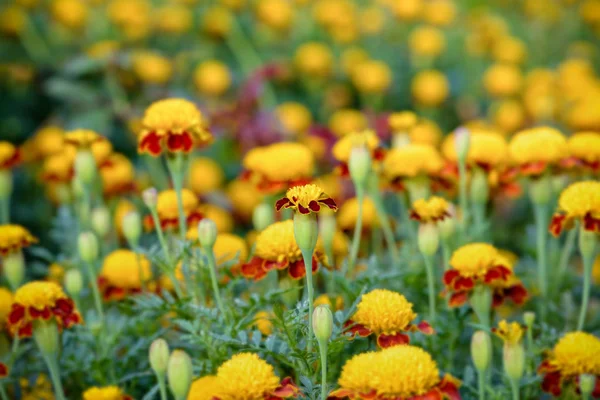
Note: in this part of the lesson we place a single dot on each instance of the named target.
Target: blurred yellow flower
(72, 14)
(314, 60)
(427, 41)
(372, 77)
(151, 67)
(295, 118)
(212, 78)
(430, 88)
(205, 176)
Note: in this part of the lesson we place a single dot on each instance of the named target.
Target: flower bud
(207, 233)
(322, 322)
(73, 282)
(327, 228)
(6, 184)
(132, 227)
(359, 165)
(540, 190)
(587, 242)
(306, 231)
(481, 350)
(529, 319)
(480, 190)
(101, 221)
(587, 384)
(88, 246)
(150, 197)
(262, 216)
(77, 188)
(428, 239)
(179, 372)
(13, 265)
(85, 167)
(46, 336)
(462, 142)
(513, 355)
(159, 356)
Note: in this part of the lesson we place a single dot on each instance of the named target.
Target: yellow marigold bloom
(72, 14)
(295, 118)
(47, 141)
(402, 121)
(279, 166)
(511, 333)
(105, 393)
(411, 161)
(487, 149)
(405, 372)
(168, 214)
(244, 197)
(345, 121)
(580, 201)
(173, 19)
(430, 88)
(221, 217)
(83, 139)
(535, 149)
(372, 77)
(351, 57)
(151, 67)
(246, 376)
(276, 14)
(509, 50)
(205, 176)
(306, 199)
(6, 301)
(439, 12)
(575, 353)
(427, 41)
(205, 388)
(229, 247)
(585, 148)
(262, 321)
(103, 49)
(58, 168)
(216, 21)
(13, 238)
(212, 78)
(407, 10)
(56, 273)
(314, 59)
(431, 210)
(12, 20)
(335, 304)
(474, 260)
(348, 213)
(9, 155)
(508, 116)
(502, 80)
(117, 175)
(122, 273)
(174, 124)
(39, 300)
(388, 315)
(426, 132)
(132, 17)
(343, 147)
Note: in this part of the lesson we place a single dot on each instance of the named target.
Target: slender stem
(360, 194)
(212, 268)
(162, 387)
(541, 224)
(565, 256)
(3, 394)
(462, 199)
(177, 176)
(157, 172)
(446, 254)
(479, 217)
(430, 285)
(481, 384)
(4, 210)
(95, 290)
(388, 234)
(514, 387)
(531, 362)
(138, 259)
(407, 223)
(307, 257)
(588, 263)
(52, 364)
(323, 353)
(165, 248)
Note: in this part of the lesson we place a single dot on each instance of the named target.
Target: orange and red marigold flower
(168, 213)
(580, 202)
(306, 199)
(482, 264)
(13, 238)
(41, 301)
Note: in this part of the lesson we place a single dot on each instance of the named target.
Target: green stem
(388, 234)
(157, 173)
(95, 290)
(177, 170)
(138, 259)
(531, 363)
(565, 256)
(588, 264)
(323, 353)
(541, 224)
(52, 364)
(360, 194)
(5, 210)
(3, 394)
(162, 387)
(462, 199)
(307, 257)
(479, 217)
(430, 286)
(446, 254)
(481, 384)
(514, 387)
(407, 223)
(212, 268)
(165, 248)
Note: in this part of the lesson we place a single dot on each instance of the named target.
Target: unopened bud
(101, 221)
(480, 190)
(6, 184)
(179, 372)
(73, 282)
(159, 356)
(132, 227)
(513, 355)
(13, 265)
(207, 233)
(262, 216)
(150, 197)
(85, 167)
(88, 246)
(327, 228)
(462, 142)
(322, 322)
(481, 350)
(428, 239)
(540, 190)
(529, 319)
(587, 384)
(587, 242)
(306, 231)
(359, 165)
(46, 336)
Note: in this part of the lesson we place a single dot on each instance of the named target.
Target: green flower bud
(179, 373)
(262, 216)
(513, 355)
(6, 184)
(306, 231)
(359, 165)
(481, 301)
(481, 350)
(85, 167)
(327, 228)
(159, 356)
(540, 190)
(529, 319)
(46, 336)
(132, 227)
(207, 233)
(587, 243)
(101, 221)
(73, 282)
(150, 197)
(480, 190)
(462, 142)
(428, 239)
(13, 265)
(587, 383)
(88, 246)
(322, 322)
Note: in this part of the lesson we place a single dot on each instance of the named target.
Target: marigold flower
(400, 372)
(575, 353)
(510, 333)
(482, 264)
(72, 14)
(387, 315)
(56, 273)
(219, 215)
(343, 148)
(205, 388)
(47, 141)
(427, 41)
(167, 210)
(279, 166)
(262, 321)
(584, 148)
(59, 168)
(276, 14)
(503, 80)
(105, 393)
(345, 121)
(295, 118)
(13, 238)
(276, 248)
(244, 197)
(122, 274)
(212, 78)
(580, 201)
(306, 199)
(247, 376)
(314, 59)
(41, 301)
(9, 155)
(82, 138)
(173, 125)
(411, 161)
(6, 301)
(335, 304)
(487, 149)
(348, 214)
(151, 67)
(372, 76)
(431, 210)
(430, 88)
(535, 150)
(205, 176)
(118, 175)
(402, 121)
